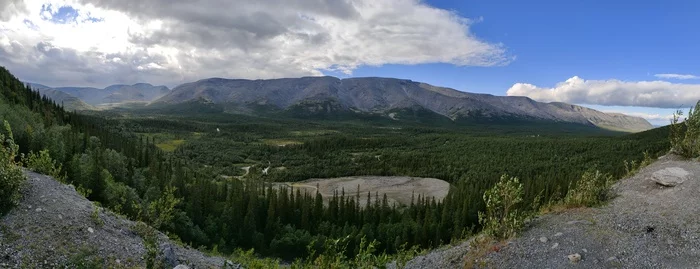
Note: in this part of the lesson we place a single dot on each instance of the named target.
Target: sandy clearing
(397, 189)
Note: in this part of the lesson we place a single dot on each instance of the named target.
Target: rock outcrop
(670, 177)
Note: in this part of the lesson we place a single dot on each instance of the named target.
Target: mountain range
(94, 97)
(390, 97)
(393, 98)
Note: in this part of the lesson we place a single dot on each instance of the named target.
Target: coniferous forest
(178, 171)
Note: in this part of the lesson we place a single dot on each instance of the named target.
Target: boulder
(670, 177)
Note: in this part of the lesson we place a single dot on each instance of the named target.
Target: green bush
(502, 220)
(11, 175)
(161, 211)
(592, 189)
(685, 136)
(43, 163)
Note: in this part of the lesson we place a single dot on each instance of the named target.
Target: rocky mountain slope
(650, 224)
(55, 227)
(115, 94)
(389, 97)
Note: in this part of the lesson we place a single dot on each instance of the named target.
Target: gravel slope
(53, 226)
(645, 226)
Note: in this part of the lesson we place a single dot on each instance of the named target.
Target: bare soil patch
(398, 190)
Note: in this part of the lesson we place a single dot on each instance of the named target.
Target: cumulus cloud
(74, 42)
(660, 94)
(677, 76)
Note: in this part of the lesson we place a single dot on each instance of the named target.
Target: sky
(635, 57)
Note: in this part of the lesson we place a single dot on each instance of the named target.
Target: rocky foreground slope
(55, 227)
(648, 225)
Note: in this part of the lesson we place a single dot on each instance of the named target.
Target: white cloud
(660, 94)
(163, 41)
(677, 76)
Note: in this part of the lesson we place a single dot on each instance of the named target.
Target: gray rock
(169, 256)
(670, 177)
(558, 234)
(543, 239)
(181, 266)
(91, 230)
(556, 245)
(575, 258)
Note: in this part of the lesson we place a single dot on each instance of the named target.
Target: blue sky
(636, 57)
(555, 40)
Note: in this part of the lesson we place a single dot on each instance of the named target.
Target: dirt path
(646, 226)
(247, 171)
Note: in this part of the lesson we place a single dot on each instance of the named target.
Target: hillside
(68, 101)
(646, 226)
(115, 94)
(394, 98)
(55, 227)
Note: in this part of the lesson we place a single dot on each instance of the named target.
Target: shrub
(162, 211)
(43, 163)
(685, 136)
(631, 168)
(592, 189)
(11, 175)
(366, 256)
(502, 219)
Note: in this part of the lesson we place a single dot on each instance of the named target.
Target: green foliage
(632, 167)
(333, 255)
(83, 191)
(685, 136)
(95, 215)
(86, 258)
(405, 254)
(502, 219)
(367, 257)
(150, 241)
(11, 176)
(161, 212)
(592, 189)
(43, 163)
(248, 259)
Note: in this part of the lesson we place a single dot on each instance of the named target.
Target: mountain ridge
(113, 94)
(381, 95)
